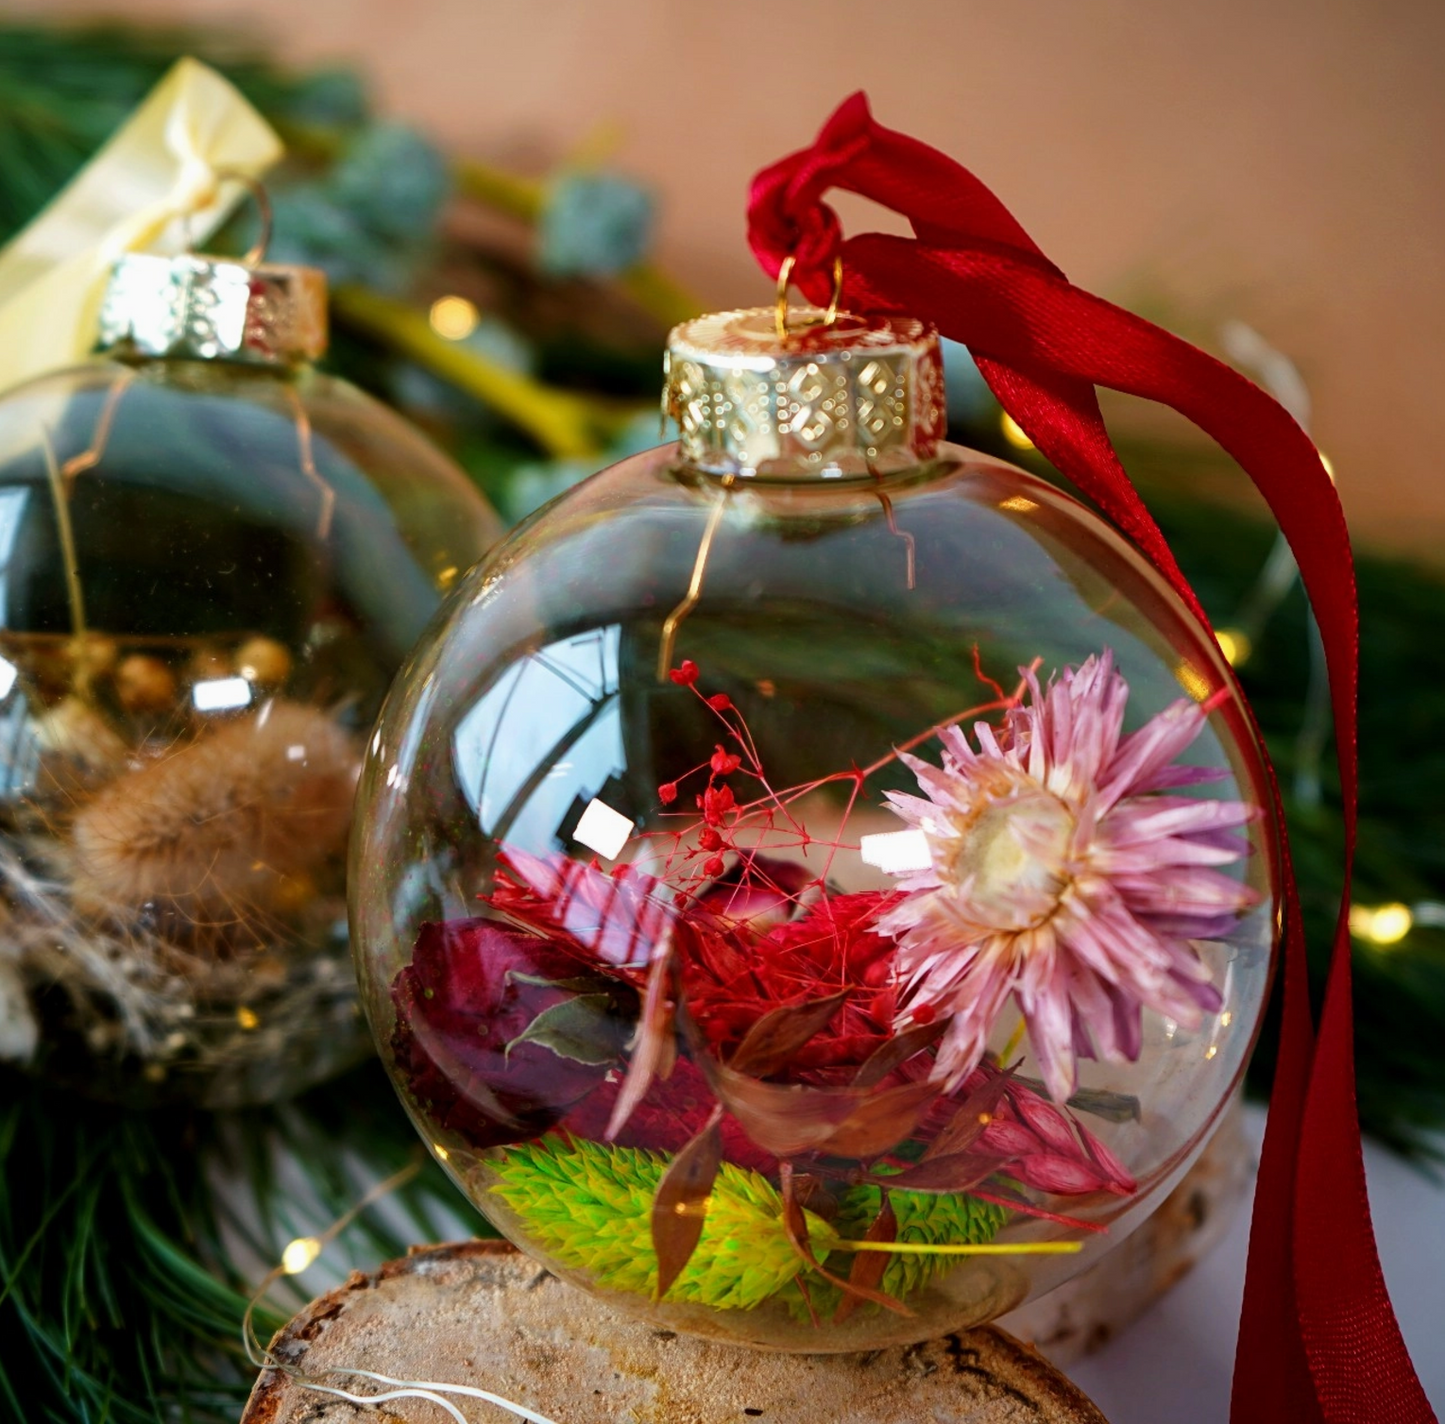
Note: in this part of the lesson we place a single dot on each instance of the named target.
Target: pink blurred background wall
(1278, 161)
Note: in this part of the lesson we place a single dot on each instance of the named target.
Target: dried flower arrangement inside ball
(213, 562)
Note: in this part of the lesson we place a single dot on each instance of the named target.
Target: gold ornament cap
(198, 308)
(827, 396)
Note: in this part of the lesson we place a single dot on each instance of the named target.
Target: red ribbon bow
(1318, 1338)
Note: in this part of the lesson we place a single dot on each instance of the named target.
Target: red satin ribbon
(1318, 1338)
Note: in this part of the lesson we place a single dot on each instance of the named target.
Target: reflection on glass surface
(543, 740)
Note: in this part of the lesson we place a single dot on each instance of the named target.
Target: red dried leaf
(958, 1172)
(897, 1051)
(679, 1206)
(868, 1266)
(1121, 1180)
(656, 1048)
(1008, 1140)
(792, 1120)
(796, 1225)
(801, 1281)
(1002, 1196)
(974, 1114)
(1063, 1176)
(880, 1121)
(1052, 1126)
(786, 1119)
(772, 1041)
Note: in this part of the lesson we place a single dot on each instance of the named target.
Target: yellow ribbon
(163, 181)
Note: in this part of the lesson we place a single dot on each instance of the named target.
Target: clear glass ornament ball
(846, 903)
(209, 573)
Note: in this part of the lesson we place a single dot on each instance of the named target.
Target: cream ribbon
(155, 185)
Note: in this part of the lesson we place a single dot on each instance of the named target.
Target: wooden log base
(481, 1314)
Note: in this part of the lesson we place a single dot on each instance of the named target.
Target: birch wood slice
(482, 1314)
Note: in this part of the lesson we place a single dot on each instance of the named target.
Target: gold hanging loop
(780, 309)
(262, 200)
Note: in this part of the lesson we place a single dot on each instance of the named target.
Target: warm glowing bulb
(1386, 924)
(1013, 432)
(1235, 646)
(454, 317)
(299, 1254)
(247, 1018)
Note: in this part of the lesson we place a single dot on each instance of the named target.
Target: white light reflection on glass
(221, 694)
(544, 736)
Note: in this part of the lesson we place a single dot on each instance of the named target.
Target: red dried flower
(486, 1022)
(717, 801)
(685, 675)
(724, 762)
(667, 792)
(488, 1016)
(741, 971)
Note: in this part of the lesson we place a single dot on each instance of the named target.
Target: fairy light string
(301, 1253)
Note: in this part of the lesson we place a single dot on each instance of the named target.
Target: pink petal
(1153, 746)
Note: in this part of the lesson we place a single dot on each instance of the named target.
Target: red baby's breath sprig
(766, 825)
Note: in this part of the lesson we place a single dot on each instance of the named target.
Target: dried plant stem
(74, 596)
(91, 456)
(306, 457)
(694, 587)
(524, 198)
(567, 426)
(988, 1248)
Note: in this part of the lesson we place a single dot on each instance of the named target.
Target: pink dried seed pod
(1051, 1125)
(1121, 1180)
(1064, 1176)
(1008, 1139)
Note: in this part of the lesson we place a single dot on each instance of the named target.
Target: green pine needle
(589, 1207)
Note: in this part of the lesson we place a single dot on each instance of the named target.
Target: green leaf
(586, 1029)
(583, 984)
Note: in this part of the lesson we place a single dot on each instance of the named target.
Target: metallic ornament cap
(862, 395)
(199, 308)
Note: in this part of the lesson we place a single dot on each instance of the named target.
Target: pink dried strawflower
(1061, 876)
